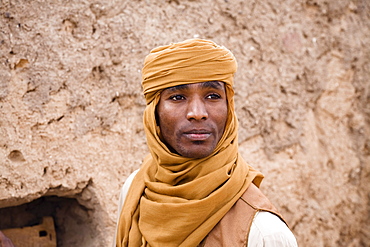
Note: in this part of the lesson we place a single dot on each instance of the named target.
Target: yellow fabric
(173, 200)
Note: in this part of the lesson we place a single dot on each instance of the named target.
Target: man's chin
(197, 152)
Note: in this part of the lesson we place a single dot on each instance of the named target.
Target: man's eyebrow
(212, 84)
(206, 84)
(179, 87)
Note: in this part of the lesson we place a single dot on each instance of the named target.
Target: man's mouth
(197, 135)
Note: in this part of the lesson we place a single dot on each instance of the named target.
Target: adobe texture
(71, 104)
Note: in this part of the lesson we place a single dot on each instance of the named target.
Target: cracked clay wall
(71, 104)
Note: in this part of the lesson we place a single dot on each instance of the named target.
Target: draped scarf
(174, 200)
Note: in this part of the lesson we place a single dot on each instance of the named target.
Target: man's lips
(197, 135)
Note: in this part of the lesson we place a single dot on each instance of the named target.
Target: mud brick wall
(71, 104)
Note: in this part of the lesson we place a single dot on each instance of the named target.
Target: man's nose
(196, 110)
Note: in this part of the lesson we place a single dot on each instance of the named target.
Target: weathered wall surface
(71, 104)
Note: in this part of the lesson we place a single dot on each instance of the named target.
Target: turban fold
(174, 200)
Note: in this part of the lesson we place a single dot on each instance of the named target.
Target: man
(194, 189)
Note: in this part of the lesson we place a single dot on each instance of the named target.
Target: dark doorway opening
(72, 221)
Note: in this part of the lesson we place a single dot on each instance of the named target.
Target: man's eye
(177, 97)
(213, 96)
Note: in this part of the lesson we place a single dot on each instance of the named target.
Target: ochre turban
(174, 200)
(190, 61)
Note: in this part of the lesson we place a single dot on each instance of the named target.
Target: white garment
(267, 230)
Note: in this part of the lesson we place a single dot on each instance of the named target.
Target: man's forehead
(207, 84)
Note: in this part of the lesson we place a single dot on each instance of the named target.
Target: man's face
(192, 117)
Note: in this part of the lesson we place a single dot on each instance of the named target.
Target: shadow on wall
(72, 222)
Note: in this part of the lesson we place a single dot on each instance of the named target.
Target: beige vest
(233, 229)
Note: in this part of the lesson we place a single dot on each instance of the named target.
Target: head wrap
(190, 61)
(174, 200)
